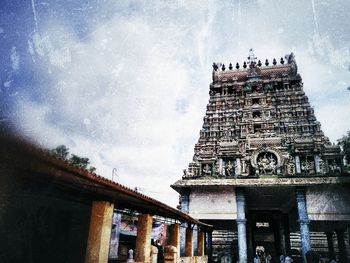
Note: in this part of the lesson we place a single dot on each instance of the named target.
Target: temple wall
(213, 204)
(328, 203)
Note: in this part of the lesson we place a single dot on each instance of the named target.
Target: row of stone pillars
(241, 224)
(100, 234)
(341, 245)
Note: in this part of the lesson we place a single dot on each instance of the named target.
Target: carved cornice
(262, 182)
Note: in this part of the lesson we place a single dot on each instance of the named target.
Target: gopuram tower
(263, 173)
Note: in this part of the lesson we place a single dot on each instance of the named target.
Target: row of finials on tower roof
(252, 62)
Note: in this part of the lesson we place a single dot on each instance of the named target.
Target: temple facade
(263, 172)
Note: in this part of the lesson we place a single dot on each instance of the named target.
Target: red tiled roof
(38, 164)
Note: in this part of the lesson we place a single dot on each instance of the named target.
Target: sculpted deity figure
(229, 169)
(290, 166)
(263, 163)
(187, 173)
(207, 170)
(307, 167)
(304, 166)
(322, 166)
(245, 167)
(334, 167)
(267, 164)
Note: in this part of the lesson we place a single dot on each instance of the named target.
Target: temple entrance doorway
(265, 235)
(270, 212)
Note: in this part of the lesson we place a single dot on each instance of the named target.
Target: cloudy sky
(126, 83)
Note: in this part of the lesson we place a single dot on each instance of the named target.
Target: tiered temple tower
(263, 173)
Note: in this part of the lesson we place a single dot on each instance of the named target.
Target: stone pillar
(330, 245)
(143, 239)
(303, 221)
(195, 240)
(115, 234)
(100, 232)
(250, 246)
(170, 254)
(175, 235)
(341, 245)
(189, 242)
(185, 205)
(210, 246)
(241, 226)
(154, 254)
(201, 241)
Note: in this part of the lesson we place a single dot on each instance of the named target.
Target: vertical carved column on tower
(317, 164)
(341, 245)
(241, 226)
(99, 232)
(143, 239)
(303, 221)
(297, 165)
(201, 242)
(330, 245)
(238, 167)
(221, 167)
(189, 242)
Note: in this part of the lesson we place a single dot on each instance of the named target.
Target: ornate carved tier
(259, 122)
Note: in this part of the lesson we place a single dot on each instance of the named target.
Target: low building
(51, 211)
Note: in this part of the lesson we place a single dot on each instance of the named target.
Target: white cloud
(114, 99)
(15, 59)
(132, 94)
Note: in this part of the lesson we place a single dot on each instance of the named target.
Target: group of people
(261, 258)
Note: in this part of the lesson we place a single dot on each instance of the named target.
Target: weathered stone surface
(189, 243)
(263, 182)
(330, 203)
(100, 232)
(171, 254)
(257, 123)
(201, 243)
(143, 239)
(175, 235)
(213, 204)
(154, 254)
(260, 134)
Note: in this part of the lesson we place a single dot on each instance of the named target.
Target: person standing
(257, 259)
(268, 258)
(288, 259)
